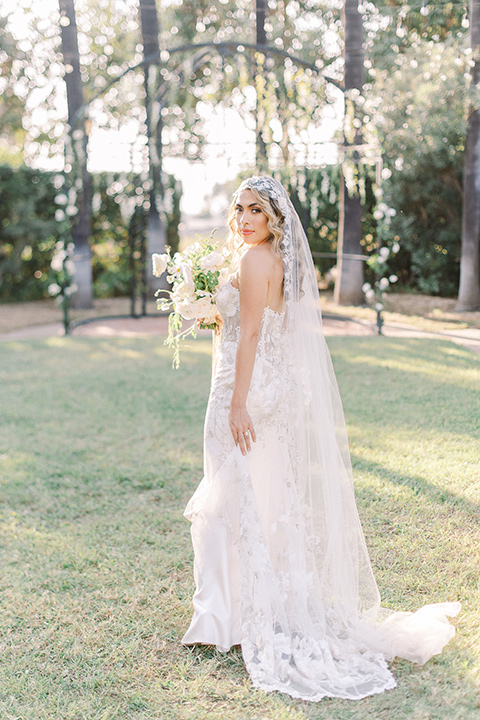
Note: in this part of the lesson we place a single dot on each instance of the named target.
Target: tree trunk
(156, 231)
(348, 285)
(261, 39)
(469, 290)
(81, 226)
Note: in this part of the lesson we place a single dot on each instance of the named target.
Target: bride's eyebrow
(250, 206)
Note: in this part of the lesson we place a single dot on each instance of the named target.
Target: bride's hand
(242, 429)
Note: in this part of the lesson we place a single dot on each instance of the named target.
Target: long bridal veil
(315, 626)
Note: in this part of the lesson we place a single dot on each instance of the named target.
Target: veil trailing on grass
(310, 622)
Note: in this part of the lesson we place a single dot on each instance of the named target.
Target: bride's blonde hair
(275, 221)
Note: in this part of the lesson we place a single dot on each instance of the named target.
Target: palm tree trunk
(348, 285)
(261, 39)
(81, 226)
(469, 290)
(156, 231)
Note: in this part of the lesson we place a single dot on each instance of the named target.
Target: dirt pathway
(334, 325)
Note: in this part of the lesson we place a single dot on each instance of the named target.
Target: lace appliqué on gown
(260, 569)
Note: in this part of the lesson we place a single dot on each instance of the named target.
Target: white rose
(366, 287)
(212, 261)
(395, 247)
(159, 263)
(183, 292)
(70, 267)
(393, 278)
(54, 289)
(57, 263)
(381, 259)
(192, 310)
(370, 294)
(384, 252)
(378, 307)
(383, 284)
(59, 215)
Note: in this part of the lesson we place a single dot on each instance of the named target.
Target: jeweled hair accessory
(271, 187)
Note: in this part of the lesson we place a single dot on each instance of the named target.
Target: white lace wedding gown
(259, 581)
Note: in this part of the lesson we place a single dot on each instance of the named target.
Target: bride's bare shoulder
(258, 259)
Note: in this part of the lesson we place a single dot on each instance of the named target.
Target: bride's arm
(253, 298)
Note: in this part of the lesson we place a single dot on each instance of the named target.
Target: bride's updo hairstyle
(274, 217)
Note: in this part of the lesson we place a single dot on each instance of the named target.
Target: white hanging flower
(378, 215)
(393, 278)
(384, 252)
(71, 210)
(395, 247)
(381, 259)
(59, 215)
(61, 199)
(383, 284)
(57, 262)
(378, 307)
(370, 294)
(366, 287)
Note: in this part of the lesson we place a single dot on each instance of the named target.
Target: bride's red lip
(247, 232)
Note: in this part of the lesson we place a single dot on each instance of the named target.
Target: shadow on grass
(418, 485)
(426, 384)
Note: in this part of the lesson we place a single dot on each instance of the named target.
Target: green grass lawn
(101, 447)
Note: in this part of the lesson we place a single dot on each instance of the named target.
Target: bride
(281, 566)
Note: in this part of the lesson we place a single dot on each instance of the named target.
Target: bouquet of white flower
(195, 276)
